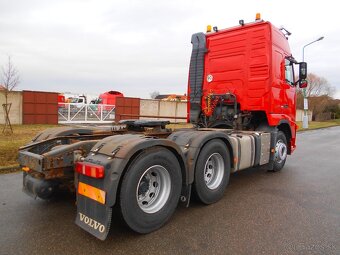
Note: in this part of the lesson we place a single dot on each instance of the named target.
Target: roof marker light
(258, 16)
(208, 28)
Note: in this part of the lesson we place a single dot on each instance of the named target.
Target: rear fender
(191, 142)
(116, 152)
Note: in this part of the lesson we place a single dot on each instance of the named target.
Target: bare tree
(10, 80)
(318, 104)
(318, 86)
(154, 94)
(319, 93)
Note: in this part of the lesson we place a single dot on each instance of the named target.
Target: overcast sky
(138, 47)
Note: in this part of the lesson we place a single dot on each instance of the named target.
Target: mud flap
(93, 217)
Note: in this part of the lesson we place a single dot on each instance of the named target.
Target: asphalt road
(295, 211)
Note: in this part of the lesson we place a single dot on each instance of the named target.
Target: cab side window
(289, 72)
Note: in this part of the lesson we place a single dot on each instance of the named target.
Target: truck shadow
(239, 181)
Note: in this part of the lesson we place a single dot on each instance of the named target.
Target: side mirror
(302, 71)
(303, 84)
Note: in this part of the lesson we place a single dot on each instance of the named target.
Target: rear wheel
(281, 151)
(212, 172)
(150, 190)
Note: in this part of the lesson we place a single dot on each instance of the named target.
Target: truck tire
(281, 150)
(150, 190)
(212, 172)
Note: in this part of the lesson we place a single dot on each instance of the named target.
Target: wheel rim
(280, 151)
(153, 189)
(214, 170)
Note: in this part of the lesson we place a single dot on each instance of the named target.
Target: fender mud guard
(115, 153)
(192, 141)
(93, 217)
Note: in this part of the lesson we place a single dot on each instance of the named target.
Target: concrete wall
(15, 115)
(300, 113)
(150, 107)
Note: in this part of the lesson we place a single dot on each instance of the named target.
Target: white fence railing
(85, 113)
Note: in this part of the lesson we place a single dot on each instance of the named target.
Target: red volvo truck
(107, 100)
(109, 97)
(242, 106)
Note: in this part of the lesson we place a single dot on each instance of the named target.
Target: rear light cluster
(89, 169)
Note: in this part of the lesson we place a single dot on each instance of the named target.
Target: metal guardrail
(69, 113)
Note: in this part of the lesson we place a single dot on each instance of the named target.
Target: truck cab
(243, 78)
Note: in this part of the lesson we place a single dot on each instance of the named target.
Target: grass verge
(10, 143)
(319, 124)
